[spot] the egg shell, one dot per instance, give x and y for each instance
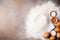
(57, 29)
(58, 35)
(58, 24)
(52, 38)
(53, 33)
(54, 20)
(46, 34)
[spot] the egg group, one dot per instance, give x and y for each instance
(55, 33)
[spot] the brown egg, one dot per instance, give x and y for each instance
(58, 24)
(57, 29)
(46, 34)
(52, 38)
(58, 35)
(54, 20)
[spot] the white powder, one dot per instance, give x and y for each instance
(38, 20)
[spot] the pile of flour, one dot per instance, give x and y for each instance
(38, 20)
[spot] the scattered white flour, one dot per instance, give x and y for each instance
(38, 20)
